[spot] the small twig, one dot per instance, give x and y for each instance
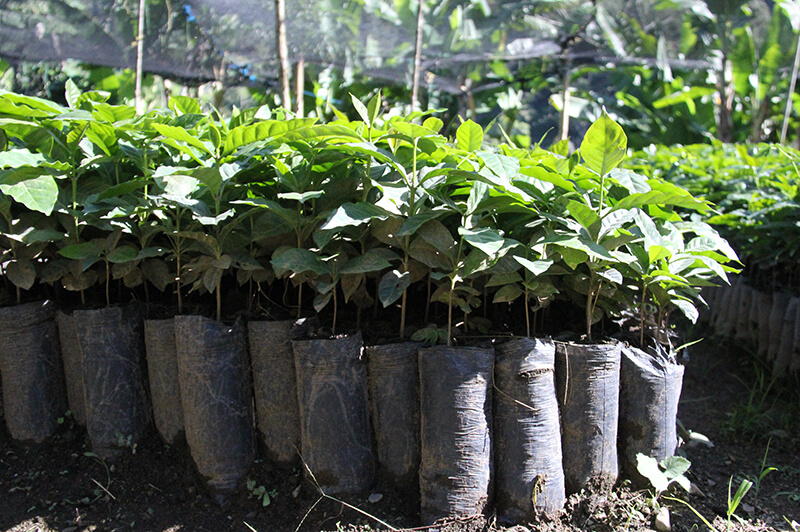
(325, 495)
(303, 520)
(104, 489)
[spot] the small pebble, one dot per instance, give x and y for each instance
(375, 498)
(296, 492)
(662, 522)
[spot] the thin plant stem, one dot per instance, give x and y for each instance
(527, 314)
(219, 300)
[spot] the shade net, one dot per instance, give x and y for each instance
(234, 40)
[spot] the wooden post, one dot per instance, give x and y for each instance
(417, 57)
(284, 68)
(300, 81)
(140, 59)
(792, 83)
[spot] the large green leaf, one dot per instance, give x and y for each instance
(486, 239)
(353, 214)
(437, 235)
(469, 136)
(122, 254)
(21, 273)
(392, 286)
(181, 135)
(604, 145)
(537, 267)
(298, 260)
(371, 261)
(81, 251)
(248, 134)
(38, 194)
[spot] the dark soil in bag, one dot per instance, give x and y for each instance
(334, 417)
(394, 407)
(162, 369)
(112, 347)
(216, 396)
(33, 390)
(275, 387)
(783, 355)
(587, 384)
(72, 359)
(650, 388)
(455, 431)
(528, 462)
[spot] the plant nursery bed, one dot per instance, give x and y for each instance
(61, 486)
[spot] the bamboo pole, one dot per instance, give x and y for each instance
(284, 69)
(300, 81)
(139, 99)
(417, 57)
(792, 83)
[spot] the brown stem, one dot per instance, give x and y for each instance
(403, 301)
(589, 307)
(642, 317)
(450, 316)
(300, 300)
(527, 314)
(219, 300)
(108, 282)
(428, 301)
(335, 311)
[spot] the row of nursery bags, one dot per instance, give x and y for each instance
(767, 321)
(516, 423)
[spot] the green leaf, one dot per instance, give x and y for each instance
(298, 260)
(71, 93)
(469, 136)
(20, 157)
(322, 300)
(102, 135)
(585, 216)
(414, 222)
(248, 134)
(433, 123)
(687, 96)
(537, 268)
(687, 308)
(21, 273)
(211, 278)
(374, 108)
(648, 468)
(438, 236)
(507, 294)
(371, 261)
(181, 135)
(362, 110)
(486, 239)
(184, 105)
(38, 194)
(122, 254)
(604, 145)
(352, 215)
(157, 272)
(82, 251)
(392, 286)
(502, 166)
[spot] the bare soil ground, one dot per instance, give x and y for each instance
(61, 486)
